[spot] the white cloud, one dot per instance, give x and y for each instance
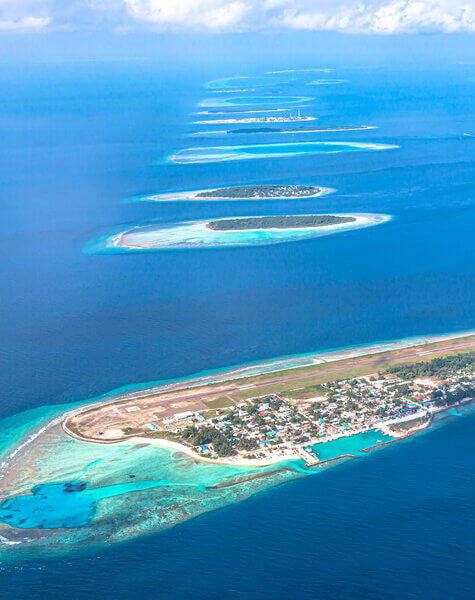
(397, 16)
(351, 16)
(206, 14)
(23, 15)
(25, 24)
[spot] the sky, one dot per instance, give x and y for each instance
(380, 17)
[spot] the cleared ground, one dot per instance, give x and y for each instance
(126, 417)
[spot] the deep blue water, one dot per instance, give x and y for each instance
(395, 524)
(76, 140)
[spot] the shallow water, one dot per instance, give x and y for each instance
(269, 100)
(48, 507)
(226, 153)
(266, 80)
(79, 494)
(353, 444)
(198, 235)
(327, 81)
(76, 325)
(192, 195)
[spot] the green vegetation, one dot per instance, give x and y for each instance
(310, 391)
(163, 435)
(247, 444)
(209, 435)
(405, 426)
(262, 191)
(439, 368)
(221, 402)
(445, 397)
(278, 222)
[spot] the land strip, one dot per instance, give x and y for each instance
(156, 413)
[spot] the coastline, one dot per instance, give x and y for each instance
(250, 120)
(298, 452)
(194, 195)
(137, 391)
(119, 468)
(192, 235)
(267, 367)
(238, 462)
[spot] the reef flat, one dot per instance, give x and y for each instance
(269, 100)
(60, 494)
(238, 83)
(276, 150)
(327, 81)
(197, 234)
(269, 79)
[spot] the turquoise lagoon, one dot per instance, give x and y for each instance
(49, 506)
(276, 150)
(115, 491)
(353, 444)
(269, 79)
(129, 489)
(327, 81)
(197, 234)
(269, 99)
(240, 82)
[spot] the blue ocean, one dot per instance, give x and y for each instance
(78, 142)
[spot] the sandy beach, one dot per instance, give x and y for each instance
(237, 462)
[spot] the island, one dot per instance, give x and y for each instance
(291, 413)
(262, 191)
(249, 130)
(283, 119)
(147, 457)
(278, 222)
(242, 231)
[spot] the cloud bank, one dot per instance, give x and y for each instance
(348, 16)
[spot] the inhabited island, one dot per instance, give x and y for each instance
(283, 119)
(258, 424)
(262, 191)
(278, 222)
(244, 130)
(287, 414)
